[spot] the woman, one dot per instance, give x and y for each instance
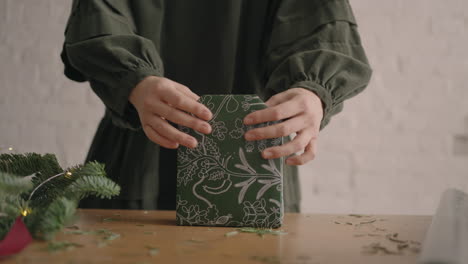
(150, 60)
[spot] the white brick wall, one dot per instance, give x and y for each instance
(394, 149)
(40, 110)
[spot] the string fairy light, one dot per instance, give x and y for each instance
(25, 211)
(5, 148)
(51, 178)
(68, 175)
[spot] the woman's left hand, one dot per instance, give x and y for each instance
(302, 112)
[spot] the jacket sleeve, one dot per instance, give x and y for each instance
(102, 46)
(314, 44)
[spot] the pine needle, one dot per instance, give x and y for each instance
(152, 251)
(112, 236)
(375, 248)
(261, 231)
(266, 259)
(232, 233)
(78, 232)
(367, 222)
(54, 246)
(193, 240)
(359, 215)
(394, 238)
(107, 235)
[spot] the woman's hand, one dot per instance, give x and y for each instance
(302, 112)
(159, 100)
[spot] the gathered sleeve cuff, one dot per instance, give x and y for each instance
(314, 44)
(102, 47)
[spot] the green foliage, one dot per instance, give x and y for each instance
(54, 246)
(30, 163)
(90, 180)
(36, 185)
(10, 202)
(11, 184)
(76, 183)
(45, 223)
(261, 231)
(92, 185)
(92, 168)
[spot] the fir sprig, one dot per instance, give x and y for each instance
(30, 163)
(37, 187)
(92, 185)
(44, 224)
(11, 184)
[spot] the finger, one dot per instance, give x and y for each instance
(182, 118)
(308, 155)
(281, 111)
(185, 90)
(277, 130)
(158, 139)
(163, 128)
(185, 103)
(299, 143)
(278, 99)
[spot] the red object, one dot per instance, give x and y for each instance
(16, 240)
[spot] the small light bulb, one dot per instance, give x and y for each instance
(10, 148)
(68, 175)
(24, 212)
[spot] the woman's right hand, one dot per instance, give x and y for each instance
(159, 100)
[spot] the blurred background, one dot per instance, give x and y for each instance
(393, 149)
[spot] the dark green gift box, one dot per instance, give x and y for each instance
(224, 181)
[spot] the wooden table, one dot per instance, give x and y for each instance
(309, 239)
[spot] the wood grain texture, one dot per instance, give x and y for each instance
(309, 239)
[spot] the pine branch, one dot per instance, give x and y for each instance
(91, 168)
(11, 184)
(30, 163)
(58, 186)
(43, 224)
(98, 186)
(10, 206)
(48, 197)
(49, 190)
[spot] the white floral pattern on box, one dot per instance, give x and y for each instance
(224, 181)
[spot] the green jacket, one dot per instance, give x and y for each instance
(213, 47)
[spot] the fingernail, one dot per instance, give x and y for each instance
(206, 128)
(207, 114)
(267, 154)
(248, 120)
(289, 162)
(191, 142)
